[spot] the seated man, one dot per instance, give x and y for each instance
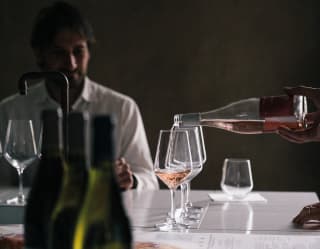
(61, 39)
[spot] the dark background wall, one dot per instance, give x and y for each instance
(188, 56)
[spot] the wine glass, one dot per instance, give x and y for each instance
(189, 212)
(172, 166)
(20, 150)
(236, 177)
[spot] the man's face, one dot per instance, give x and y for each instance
(68, 54)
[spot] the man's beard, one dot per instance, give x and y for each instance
(74, 82)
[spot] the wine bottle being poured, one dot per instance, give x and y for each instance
(252, 115)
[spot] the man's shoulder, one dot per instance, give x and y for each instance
(16, 100)
(102, 93)
(32, 91)
(9, 99)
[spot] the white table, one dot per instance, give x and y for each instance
(146, 208)
(10, 214)
(272, 217)
(225, 225)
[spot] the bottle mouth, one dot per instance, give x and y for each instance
(185, 120)
(176, 119)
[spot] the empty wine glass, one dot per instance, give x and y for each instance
(189, 212)
(20, 150)
(236, 177)
(172, 166)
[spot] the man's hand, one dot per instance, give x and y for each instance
(311, 134)
(123, 174)
(309, 216)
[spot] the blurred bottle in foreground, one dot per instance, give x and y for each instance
(75, 174)
(252, 116)
(47, 182)
(102, 222)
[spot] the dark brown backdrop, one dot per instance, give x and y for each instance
(188, 56)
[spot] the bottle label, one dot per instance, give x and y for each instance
(276, 106)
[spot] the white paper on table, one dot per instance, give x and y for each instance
(173, 240)
(11, 229)
(222, 197)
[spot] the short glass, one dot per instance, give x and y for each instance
(236, 178)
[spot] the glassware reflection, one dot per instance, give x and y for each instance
(237, 215)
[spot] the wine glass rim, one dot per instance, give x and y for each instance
(172, 130)
(20, 119)
(235, 159)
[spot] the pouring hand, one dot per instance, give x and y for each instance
(312, 132)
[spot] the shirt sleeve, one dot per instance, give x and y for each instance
(134, 146)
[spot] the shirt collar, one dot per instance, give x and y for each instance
(87, 90)
(43, 96)
(41, 93)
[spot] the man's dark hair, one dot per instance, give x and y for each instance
(55, 18)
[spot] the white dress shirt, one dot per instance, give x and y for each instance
(130, 137)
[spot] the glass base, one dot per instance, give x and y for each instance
(168, 227)
(189, 221)
(194, 209)
(18, 200)
(189, 218)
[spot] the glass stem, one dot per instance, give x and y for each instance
(188, 188)
(173, 206)
(183, 187)
(20, 194)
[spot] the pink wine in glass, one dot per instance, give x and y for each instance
(172, 178)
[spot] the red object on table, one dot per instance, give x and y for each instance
(12, 241)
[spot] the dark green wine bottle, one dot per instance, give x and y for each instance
(75, 174)
(102, 222)
(47, 182)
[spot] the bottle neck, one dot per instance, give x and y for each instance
(52, 139)
(51, 145)
(105, 166)
(78, 139)
(78, 161)
(188, 119)
(103, 141)
(243, 110)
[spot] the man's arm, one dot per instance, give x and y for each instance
(136, 168)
